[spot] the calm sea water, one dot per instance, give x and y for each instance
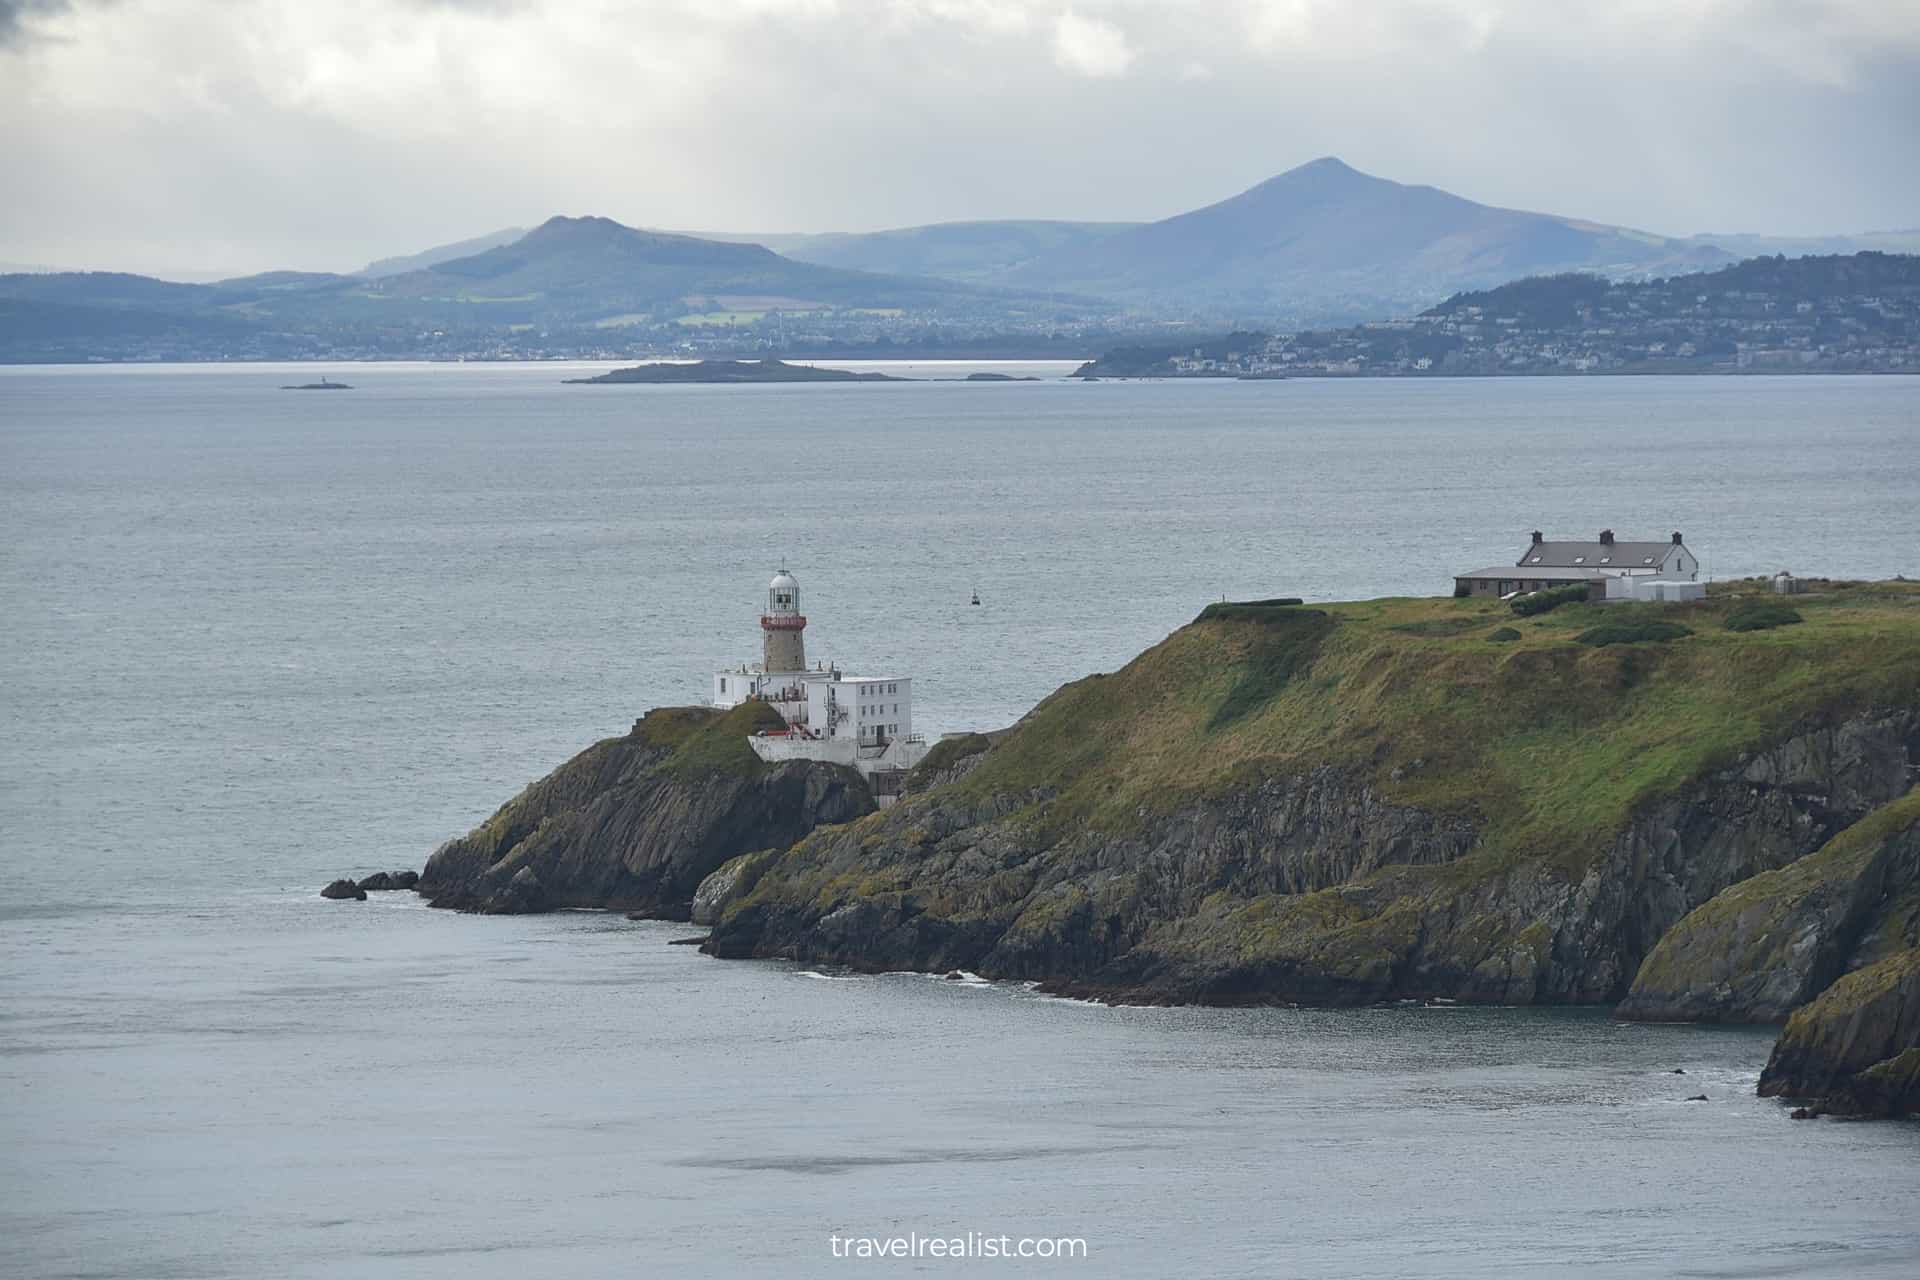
(255, 639)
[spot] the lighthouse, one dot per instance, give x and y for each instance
(864, 722)
(783, 626)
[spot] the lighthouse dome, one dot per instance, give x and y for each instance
(783, 594)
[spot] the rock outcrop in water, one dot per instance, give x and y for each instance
(1767, 945)
(1855, 1049)
(635, 823)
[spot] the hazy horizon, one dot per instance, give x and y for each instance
(208, 137)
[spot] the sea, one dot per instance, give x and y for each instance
(254, 639)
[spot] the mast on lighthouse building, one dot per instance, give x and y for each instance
(784, 626)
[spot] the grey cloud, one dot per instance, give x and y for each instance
(14, 14)
(243, 134)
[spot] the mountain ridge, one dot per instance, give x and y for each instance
(1319, 245)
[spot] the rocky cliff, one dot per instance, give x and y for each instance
(1765, 946)
(1855, 1049)
(1376, 800)
(635, 823)
(1388, 799)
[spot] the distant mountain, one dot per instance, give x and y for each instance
(1325, 239)
(1747, 245)
(438, 254)
(571, 271)
(975, 252)
(1321, 243)
(570, 286)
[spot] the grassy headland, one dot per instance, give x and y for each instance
(1396, 796)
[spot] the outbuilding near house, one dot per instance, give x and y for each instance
(1608, 565)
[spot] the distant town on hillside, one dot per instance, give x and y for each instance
(1853, 314)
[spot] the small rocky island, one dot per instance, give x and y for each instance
(1686, 812)
(734, 371)
(325, 384)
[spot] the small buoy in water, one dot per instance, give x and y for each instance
(976, 598)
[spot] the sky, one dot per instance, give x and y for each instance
(220, 136)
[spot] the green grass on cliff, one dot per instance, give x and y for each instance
(1549, 744)
(704, 743)
(948, 752)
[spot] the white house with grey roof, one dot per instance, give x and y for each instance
(1608, 566)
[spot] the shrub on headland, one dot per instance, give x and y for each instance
(1541, 601)
(1761, 617)
(1503, 635)
(1631, 633)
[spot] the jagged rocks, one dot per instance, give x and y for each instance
(1766, 945)
(344, 891)
(1313, 887)
(1856, 1049)
(635, 823)
(734, 877)
(381, 881)
(521, 895)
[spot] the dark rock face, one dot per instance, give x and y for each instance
(344, 890)
(389, 880)
(1856, 1049)
(521, 895)
(635, 823)
(731, 879)
(1309, 887)
(1766, 945)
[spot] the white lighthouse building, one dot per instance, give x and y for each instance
(865, 722)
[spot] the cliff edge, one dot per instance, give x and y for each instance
(1700, 811)
(635, 823)
(1392, 798)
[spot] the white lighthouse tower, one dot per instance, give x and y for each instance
(865, 722)
(784, 644)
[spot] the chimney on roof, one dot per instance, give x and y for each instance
(1536, 537)
(1606, 537)
(1676, 538)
